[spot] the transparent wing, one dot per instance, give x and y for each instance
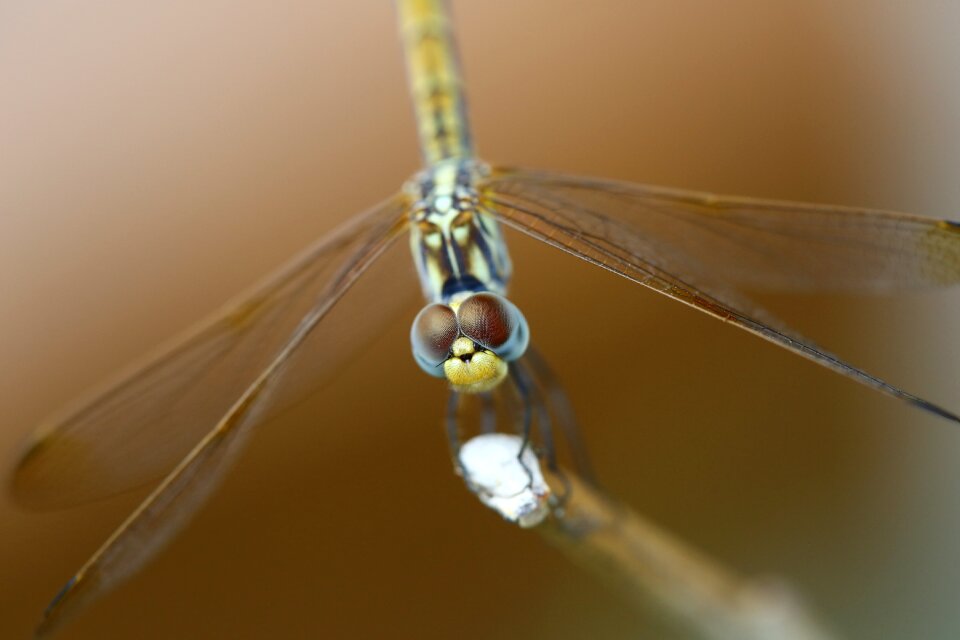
(135, 429)
(697, 248)
(756, 244)
(172, 503)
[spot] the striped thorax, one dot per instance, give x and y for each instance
(457, 247)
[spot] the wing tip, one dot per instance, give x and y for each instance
(52, 619)
(29, 483)
(935, 410)
(31, 451)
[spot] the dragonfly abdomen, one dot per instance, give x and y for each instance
(435, 81)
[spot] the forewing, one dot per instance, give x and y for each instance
(756, 244)
(615, 232)
(172, 503)
(137, 428)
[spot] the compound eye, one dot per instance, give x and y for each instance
(432, 335)
(495, 323)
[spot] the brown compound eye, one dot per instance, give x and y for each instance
(432, 335)
(495, 323)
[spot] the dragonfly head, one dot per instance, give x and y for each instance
(469, 342)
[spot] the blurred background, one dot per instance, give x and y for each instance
(159, 157)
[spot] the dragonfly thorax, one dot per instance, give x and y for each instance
(456, 241)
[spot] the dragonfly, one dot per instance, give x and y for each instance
(225, 377)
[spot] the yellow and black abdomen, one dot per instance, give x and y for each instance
(435, 81)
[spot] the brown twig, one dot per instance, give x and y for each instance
(650, 567)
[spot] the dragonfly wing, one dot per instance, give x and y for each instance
(757, 244)
(603, 231)
(137, 428)
(172, 503)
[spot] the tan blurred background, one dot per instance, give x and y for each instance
(158, 157)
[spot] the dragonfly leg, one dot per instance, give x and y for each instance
(453, 430)
(488, 414)
(556, 397)
(545, 427)
(535, 399)
(524, 390)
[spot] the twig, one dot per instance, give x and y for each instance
(646, 564)
(652, 567)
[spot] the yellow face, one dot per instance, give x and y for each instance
(473, 370)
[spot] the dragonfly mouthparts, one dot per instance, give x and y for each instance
(471, 369)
